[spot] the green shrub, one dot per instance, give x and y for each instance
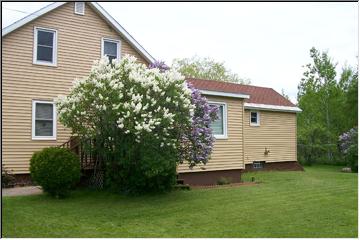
(309, 154)
(148, 170)
(56, 170)
(352, 158)
(223, 181)
(7, 178)
(349, 147)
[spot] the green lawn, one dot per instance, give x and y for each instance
(320, 202)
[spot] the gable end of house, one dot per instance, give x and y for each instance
(98, 9)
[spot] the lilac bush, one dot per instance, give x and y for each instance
(160, 65)
(349, 147)
(347, 139)
(197, 142)
(135, 116)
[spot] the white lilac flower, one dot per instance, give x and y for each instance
(138, 108)
(133, 92)
(138, 127)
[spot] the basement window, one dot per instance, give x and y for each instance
(43, 120)
(45, 46)
(258, 165)
(79, 8)
(110, 48)
(254, 118)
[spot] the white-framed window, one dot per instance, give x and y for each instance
(254, 118)
(45, 46)
(43, 120)
(219, 126)
(79, 8)
(110, 48)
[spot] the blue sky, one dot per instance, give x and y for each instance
(265, 42)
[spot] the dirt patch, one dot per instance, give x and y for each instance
(22, 191)
(209, 178)
(225, 186)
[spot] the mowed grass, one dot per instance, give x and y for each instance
(320, 202)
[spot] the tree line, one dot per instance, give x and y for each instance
(329, 100)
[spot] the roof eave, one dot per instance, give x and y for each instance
(274, 108)
(224, 94)
(30, 17)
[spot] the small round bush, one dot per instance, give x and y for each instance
(56, 170)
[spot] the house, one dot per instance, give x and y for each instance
(44, 52)
(256, 129)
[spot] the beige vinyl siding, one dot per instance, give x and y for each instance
(277, 132)
(227, 153)
(79, 44)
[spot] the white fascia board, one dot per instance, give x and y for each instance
(274, 108)
(223, 94)
(30, 17)
(122, 31)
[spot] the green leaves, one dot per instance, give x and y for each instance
(207, 68)
(56, 170)
(329, 107)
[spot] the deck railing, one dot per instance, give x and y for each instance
(87, 160)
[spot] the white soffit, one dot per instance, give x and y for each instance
(275, 108)
(224, 94)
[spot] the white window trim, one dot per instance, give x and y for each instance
(257, 124)
(79, 13)
(118, 42)
(35, 61)
(53, 137)
(225, 135)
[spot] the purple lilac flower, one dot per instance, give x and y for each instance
(160, 65)
(348, 139)
(199, 139)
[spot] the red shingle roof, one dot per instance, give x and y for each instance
(259, 95)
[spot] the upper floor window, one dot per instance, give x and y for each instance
(254, 119)
(45, 46)
(219, 126)
(79, 8)
(43, 120)
(110, 48)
